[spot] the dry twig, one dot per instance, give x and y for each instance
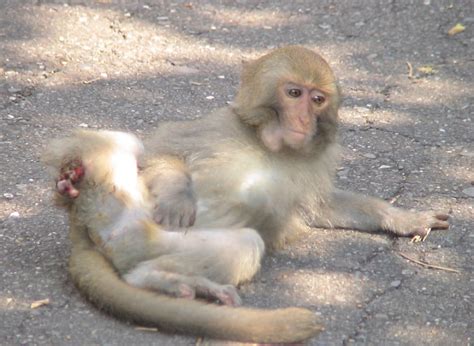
(410, 71)
(427, 265)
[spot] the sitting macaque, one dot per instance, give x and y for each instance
(107, 200)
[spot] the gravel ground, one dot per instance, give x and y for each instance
(409, 137)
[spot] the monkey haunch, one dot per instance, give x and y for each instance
(110, 214)
(261, 163)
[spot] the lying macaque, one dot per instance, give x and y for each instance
(267, 161)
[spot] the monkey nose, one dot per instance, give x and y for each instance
(304, 119)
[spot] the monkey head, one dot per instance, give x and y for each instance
(291, 97)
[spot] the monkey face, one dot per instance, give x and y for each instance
(299, 109)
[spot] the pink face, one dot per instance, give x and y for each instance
(296, 126)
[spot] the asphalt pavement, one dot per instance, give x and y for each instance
(406, 126)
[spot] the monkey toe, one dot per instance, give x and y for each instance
(439, 224)
(421, 232)
(228, 295)
(439, 221)
(442, 217)
(186, 292)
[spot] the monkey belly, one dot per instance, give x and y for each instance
(253, 198)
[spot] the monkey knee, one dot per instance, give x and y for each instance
(251, 238)
(248, 255)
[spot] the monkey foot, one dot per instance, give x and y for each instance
(228, 295)
(225, 294)
(70, 177)
(419, 225)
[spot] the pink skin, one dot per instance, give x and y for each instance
(295, 126)
(69, 179)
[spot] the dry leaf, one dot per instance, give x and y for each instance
(39, 303)
(427, 69)
(456, 29)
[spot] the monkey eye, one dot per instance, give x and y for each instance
(318, 99)
(294, 92)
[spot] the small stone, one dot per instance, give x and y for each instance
(384, 167)
(8, 195)
(407, 272)
(210, 97)
(13, 90)
(14, 215)
(467, 153)
(395, 283)
(84, 125)
(369, 156)
(469, 191)
(362, 109)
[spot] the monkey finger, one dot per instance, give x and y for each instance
(192, 219)
(188, 218)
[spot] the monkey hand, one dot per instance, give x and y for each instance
(69, 178)
(175, 204)
(419, 224)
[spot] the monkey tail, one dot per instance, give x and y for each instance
(95, 278)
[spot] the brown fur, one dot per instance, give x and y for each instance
(111, 225)
(245, 166)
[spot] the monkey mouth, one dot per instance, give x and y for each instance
(296, 131)
(296, 139)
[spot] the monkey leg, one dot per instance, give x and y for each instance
(148, 275)
(225, 256)
(355, 211)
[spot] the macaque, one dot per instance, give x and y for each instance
(109, 203)
(266, 162)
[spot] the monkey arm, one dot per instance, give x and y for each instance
(171, 190)
(356, 211)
